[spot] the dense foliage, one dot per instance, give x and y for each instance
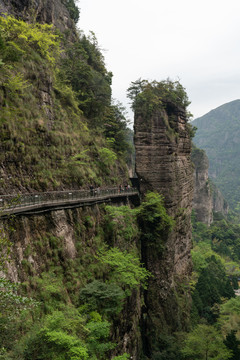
(85, 70)
(214, 332)
(218, 134)
(216, 270)
(77, 301)
(212, 286)
(205, 342)
(147, 97)
(216, 262)
(73, 9)
(154, 222)
(222, 236)
(18, 37)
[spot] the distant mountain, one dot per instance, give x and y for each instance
(219, 135)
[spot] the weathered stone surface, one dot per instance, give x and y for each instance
(43, 11)
(219, 203)
(163, 164)
(202, 201)
(207, 197)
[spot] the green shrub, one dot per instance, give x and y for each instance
(73, 9)
(16, 82)
(97, 341)
(205, 342)
(12, 52)
(68, 335)
(61, 337)
(120, 224)
(51, 292)
(103, 297)
(18, 35)
(107, 156)
(125, 356)
(154, 222)
(125, 268)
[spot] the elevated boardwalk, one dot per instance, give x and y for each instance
(37, 203)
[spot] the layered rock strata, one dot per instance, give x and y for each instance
(163, 164)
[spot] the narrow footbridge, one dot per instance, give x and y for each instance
(36, 203)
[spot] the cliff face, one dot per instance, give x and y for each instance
(53, 93)
(219, 203)
(54, 256)
(43, 11)
(207, 197)
(202, 201)
(163, 164)
(38, 96)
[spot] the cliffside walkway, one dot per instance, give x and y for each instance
(35, 203)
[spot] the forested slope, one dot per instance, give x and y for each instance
(218, 134)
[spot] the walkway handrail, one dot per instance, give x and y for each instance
(53, 197)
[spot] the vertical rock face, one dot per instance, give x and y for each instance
(219, 203)
(163, 164)
(207, 197)
(202, 201)
(43, 11)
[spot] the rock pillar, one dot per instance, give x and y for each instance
(163, 164)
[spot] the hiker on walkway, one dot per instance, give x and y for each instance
(91, 190)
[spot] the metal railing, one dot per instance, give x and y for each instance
(16, 201)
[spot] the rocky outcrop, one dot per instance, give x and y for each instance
(163, 164)
(220, 204)
(30, 230)
(207, 197)
(202, 201)
(43, 11)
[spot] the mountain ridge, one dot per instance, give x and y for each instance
(218, 133)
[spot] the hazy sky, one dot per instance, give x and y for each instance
(195, 42)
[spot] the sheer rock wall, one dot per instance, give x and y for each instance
(43, 11)
(207, 197)
(219, 203)
(202, 201)
(163, 164)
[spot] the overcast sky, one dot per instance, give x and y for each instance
(195, 42)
